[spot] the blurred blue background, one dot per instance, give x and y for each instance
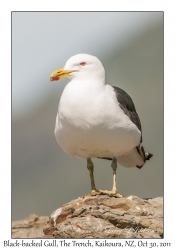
(130, 46)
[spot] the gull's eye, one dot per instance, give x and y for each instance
(82, 63)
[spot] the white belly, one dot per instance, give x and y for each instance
(95, 126)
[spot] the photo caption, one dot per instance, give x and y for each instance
(57, 243)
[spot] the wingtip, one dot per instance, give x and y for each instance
(148, 156)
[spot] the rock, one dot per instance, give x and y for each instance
(103, 216)
(30, 227)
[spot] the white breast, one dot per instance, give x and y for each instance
(90, 122)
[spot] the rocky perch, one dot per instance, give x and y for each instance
(103, 216)
(30, 227)
(99, 216)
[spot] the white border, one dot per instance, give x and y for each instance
(5, 92)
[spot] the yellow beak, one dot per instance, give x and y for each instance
(60, 73)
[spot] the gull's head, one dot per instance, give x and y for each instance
(81, 66)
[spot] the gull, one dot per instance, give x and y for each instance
(97, 120)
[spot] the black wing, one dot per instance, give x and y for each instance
(127, 105)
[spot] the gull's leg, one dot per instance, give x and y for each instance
(114, 191)
(114, 187)
(90, 167)
(114, 167)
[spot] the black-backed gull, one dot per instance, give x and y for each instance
(97, 120)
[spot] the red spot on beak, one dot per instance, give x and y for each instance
(56, 78)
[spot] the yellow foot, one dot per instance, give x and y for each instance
(93, 193)
(113, 193)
